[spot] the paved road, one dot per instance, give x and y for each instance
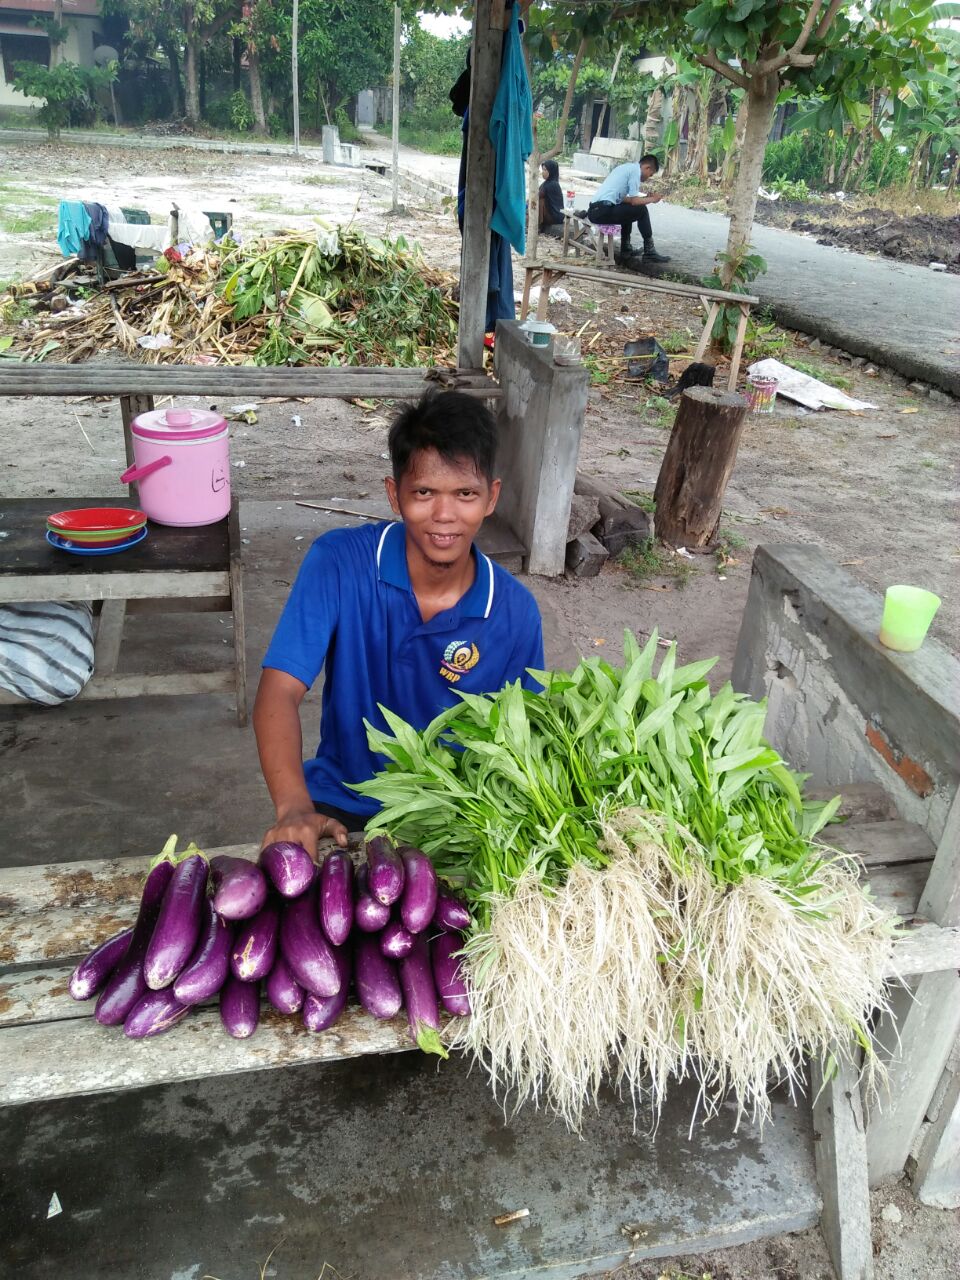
(905, 317)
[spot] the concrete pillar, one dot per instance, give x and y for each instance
(541, 420)
(331, 143)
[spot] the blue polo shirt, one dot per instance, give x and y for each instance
(352, 613)
(619, 183)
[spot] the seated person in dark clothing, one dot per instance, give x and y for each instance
(619, 201)
(551, 199)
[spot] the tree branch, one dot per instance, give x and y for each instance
(567, 101)
(724, 69)
(828, 18)
(794, 56)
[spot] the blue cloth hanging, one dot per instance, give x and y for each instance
(73, 225)
(511, 132)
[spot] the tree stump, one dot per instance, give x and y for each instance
(697, 465)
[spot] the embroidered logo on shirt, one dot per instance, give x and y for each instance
(458, 657)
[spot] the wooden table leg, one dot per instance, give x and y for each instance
(130, 408)
(527, 283)
(106, 649)
(236, 602)
(738, 348)
(546, 280)
(707, 331)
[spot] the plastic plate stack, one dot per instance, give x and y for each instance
(96, 531)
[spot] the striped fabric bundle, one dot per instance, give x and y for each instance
(46, 650)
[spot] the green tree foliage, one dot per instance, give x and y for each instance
(429, 65)
(63, 89)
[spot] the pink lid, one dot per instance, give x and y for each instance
(175, 424)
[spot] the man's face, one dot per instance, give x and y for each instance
(647, 171)
(443, 505)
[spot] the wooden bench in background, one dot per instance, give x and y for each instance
(710, 299)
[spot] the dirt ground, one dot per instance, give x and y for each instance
(874, 490)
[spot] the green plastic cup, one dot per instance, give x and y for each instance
(907, 614)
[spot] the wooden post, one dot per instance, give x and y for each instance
(295, 73)
(131, 407)
(697, 465)
(236, 608)
(395, 122)
(841, 1157)
(478, 203)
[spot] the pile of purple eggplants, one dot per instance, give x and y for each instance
(230, 927)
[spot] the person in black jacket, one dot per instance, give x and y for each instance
(551, 199)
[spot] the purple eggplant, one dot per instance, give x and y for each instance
(305, 948)
(127, 984)
(447, 974)
(378, 988)
(321, 1012)
(419, 899)
(209, 965)
(154, 1013)
(384, 871)
(420, 998)
(239, 1007)
(239, 887)
(255, 945)
(368, 914)
(93, 971)
(179, 923)
(396, 940)
(283, 990)
(452, 912)
(336, 896)
(289, 868)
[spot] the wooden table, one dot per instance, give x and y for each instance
(710, 299)
(52, 915)
(172, 570)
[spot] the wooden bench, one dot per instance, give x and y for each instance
(585, 239)
(710, 299)
(52, 915)
(173, 569)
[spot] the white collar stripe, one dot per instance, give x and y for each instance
(486, 561)
(380, 546)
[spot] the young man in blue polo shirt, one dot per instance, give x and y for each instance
(619, 200)
(403, 615)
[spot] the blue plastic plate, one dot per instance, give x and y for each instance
(77, 549)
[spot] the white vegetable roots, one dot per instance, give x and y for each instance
(645, 970)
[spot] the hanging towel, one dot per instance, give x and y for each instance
(72, 227)
(511, 132)
(97, 233)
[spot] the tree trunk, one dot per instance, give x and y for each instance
(699, 144)
(56, 46)
(191, 96)
(653, 124)
(697, 466)
(762, 97)
(176, 82)
(236, 68)
(202, 63)
(256, 91)
(733, 155)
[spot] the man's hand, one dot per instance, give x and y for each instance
(654, 199)
(305, 827)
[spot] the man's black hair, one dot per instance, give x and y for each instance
(460, 427)
(650, 159)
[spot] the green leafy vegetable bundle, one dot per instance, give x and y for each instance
(649, 896)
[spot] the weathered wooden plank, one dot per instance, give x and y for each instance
(841, 1157)
(104, 688)
(880, 844)
(898, 889)
(629, 279)
(859, 802)
(310, 383)
(64, 1059)
(937, 1177)
(916, 1038)
(168, 585)
(928, 948)
(941, 896)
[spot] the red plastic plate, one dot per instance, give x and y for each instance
(97, 519)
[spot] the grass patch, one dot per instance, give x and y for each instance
(10, 194)
(650, 561)
(657, 411)
(825, 375)
(322, 180)
(643, 500)
(677, 341)
(426, 135)
(22, 224)
(599, 376)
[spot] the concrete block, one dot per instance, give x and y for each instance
(586, 556)
(622, 523)
(540, 416)
(840, 705)
(584, 514)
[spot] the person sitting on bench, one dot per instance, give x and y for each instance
(405, 615)
(619, 201)
(551, 200)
